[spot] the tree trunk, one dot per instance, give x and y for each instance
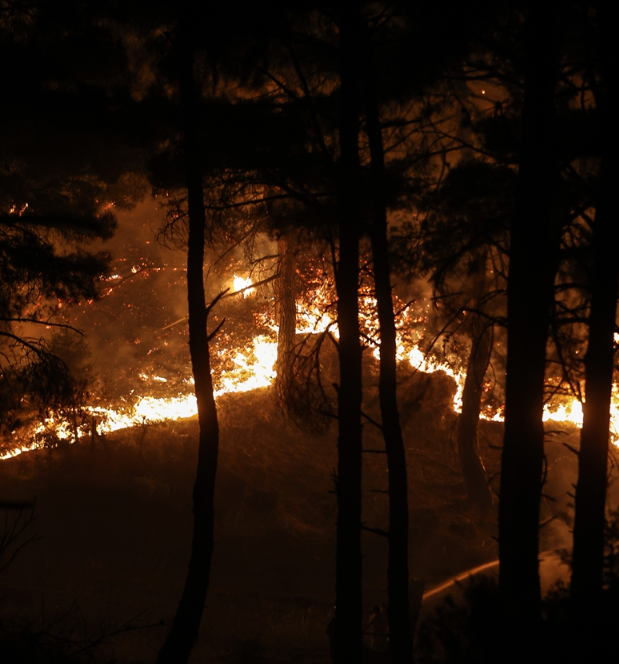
(400, 639)
(286, 314)
(349, 609)
(185, 627)
(473, 471)
(589, 517)
(533, 252)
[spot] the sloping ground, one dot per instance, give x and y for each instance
(115, 526)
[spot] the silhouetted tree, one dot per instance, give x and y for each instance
(286, 312)
(400, 638)
(473, 472)
(590, 499)
(183, 633)
(534, 241)
(348, 598)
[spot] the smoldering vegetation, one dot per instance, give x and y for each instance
(113, 521)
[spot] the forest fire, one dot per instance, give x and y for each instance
(305, 310)
(253, 370)
(254, 367)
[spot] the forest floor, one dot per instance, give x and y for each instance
(114, 526)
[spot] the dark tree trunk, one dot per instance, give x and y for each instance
(286, 314)
(349, 609)
(589, 518)
(529, 296)
(400, 639)
(185, 627)
(473, 471)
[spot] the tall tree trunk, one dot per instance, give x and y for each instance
(349, 609)
(400, 639)
(286, 314)
(529, 295)
(473, 472)
(589, 518)
(185, 627)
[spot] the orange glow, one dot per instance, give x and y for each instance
(238, 284)
(254, 368)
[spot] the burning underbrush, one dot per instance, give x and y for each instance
(132, 367)
(129, 381)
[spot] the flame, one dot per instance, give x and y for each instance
(254, 368)
(418, 360)
(313, 315)
(238, 283)
(570, 412)
(311, 320)
(252, 371)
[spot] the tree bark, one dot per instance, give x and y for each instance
(286, 314)
(473, 472)
(533, 249)
(186, 624)
(400, 638)
(349, 609)
(590, 502)
(589, 517)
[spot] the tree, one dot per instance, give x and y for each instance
(473, 472)
(590, 498)
(532, 265)
(348, 611)
(185, 627)
(400, 638)
(286, 313)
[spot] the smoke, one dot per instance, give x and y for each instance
(137, 330)
(144, 293)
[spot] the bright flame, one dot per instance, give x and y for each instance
(419, 361)
(253, 368)
(571, 412)
(238, 283)
(253, 371)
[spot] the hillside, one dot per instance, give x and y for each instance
(114, 522)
